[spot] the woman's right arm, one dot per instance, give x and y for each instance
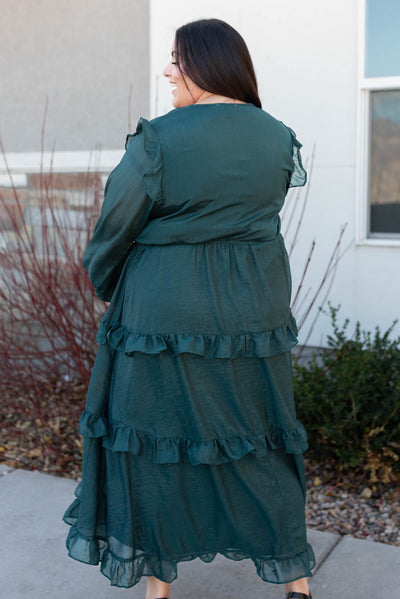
(124, 214)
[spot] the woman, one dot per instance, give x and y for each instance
(191, 442)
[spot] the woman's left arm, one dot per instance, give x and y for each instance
(125, 211)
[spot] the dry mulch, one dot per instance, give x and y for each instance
(43, 435)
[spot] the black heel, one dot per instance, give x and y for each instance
(296, 595)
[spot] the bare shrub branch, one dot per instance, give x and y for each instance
(49, 313)
(305, 300)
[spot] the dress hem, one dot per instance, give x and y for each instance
(125, 573)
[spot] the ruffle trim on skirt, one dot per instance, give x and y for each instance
(170, 450)
(210, 346)
(127, 571)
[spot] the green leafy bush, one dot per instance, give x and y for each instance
(348, 397)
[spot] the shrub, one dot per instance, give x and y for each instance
(48, 322)
(348, 398)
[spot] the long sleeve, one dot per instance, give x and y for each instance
(131, 190)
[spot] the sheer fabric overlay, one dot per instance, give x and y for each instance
(205, 524)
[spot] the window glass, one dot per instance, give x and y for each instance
(384, 187)
(382, 38)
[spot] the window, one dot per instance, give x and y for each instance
(380, 128)
(384, 167)
(382, 39)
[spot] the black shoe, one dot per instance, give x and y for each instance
(296, 595)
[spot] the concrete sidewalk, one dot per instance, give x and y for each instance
(34, 563)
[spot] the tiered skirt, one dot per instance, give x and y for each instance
(187, 457)
(191, 444)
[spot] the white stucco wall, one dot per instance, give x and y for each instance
(84, 57)
(306, 57)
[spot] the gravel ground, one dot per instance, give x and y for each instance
(343, 508)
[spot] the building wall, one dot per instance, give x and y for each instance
(307, 61)
(87, 64)
(86, 58)
(306, 56)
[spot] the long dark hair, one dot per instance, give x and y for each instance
(215, 57)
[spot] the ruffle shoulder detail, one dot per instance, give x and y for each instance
(210, 346)
(153, 177)
(299, 174)
(172, 450)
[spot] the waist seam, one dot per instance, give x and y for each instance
(211, 242)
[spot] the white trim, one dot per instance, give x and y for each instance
(365, 86)
(362, 167)
(362, 142)
(60, 162)
(376, 83)
(20, 180)
(362, 15)
(382, 242)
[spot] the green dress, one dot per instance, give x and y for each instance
(191, 444)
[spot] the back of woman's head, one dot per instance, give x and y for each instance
(216, 58)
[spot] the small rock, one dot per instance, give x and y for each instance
(366, 492)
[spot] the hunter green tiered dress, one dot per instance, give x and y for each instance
(191, 442)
